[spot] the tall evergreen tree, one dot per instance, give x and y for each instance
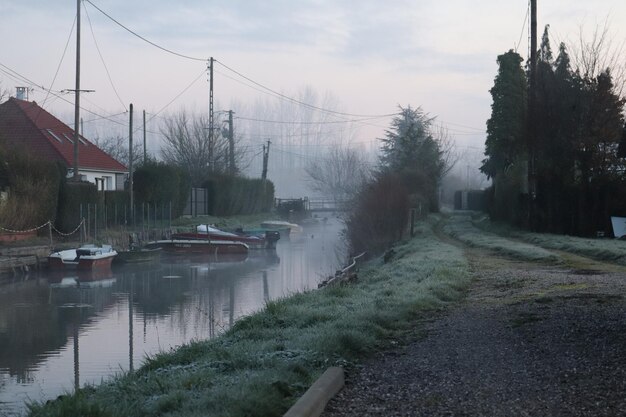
(506, 126)
(410, 151)
(559, 117)
(505, 146)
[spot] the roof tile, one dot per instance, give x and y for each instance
(25, 123)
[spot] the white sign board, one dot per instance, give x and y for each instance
(619, 226)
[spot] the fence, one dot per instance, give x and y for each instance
(345, 274)
(197, 203)
(145, 216)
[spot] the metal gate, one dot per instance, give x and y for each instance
(197, 203)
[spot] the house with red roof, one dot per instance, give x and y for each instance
(26, 124)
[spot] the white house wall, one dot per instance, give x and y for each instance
(106, 181)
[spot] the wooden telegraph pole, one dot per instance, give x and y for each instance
(77, 93)
(130, 165)
(266, 157)
(145, 153)
(211, 114)
(532, 130)
(231, 143)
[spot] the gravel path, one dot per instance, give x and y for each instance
(529, 340)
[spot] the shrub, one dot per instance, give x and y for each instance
(237, 195)
(160, 183)
(380, 215)
(33, 186)
(73, 200)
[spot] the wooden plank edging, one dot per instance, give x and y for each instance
(314, 400)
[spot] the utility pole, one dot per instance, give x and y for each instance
(145, 154)
(130, 165)
(211, 114)
(532, 130)
(77, 93)
(231, 143)
(266, 157)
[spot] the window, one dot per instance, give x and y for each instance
(54, 135)
(68, 138)
(107, 182)
(119, 182)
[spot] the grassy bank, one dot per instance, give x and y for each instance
(460, 226)
(267, 360)
(604, 249)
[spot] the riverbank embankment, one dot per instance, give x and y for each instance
(541, 332)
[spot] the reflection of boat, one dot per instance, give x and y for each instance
(235, 263)
(200, 246)
(81, 279)
(138, 255)
(266, 240)
(282, 226)
(85, 258)
(202, 258)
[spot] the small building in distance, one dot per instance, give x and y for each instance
(470, 200)
(25, 124)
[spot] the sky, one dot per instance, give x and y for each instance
(371, 56)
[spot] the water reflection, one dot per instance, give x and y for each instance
(60, 331)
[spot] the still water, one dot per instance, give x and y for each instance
(61, 331)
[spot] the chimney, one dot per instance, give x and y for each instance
(21, 93)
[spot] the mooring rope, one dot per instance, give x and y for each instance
(25, 231)
(48, 223)
(70, 233)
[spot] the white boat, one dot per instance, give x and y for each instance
(280, 224)
(85, 258)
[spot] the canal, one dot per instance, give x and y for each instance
(59, 331)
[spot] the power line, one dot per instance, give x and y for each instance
(523, 26)
(144, 39)
(93, 35)
(306, 157)
(69, 37)
(101, 118)
(178, 95)
(460, 125)
(293, 100)
(20, 78)
(308, 123)
(275, 93)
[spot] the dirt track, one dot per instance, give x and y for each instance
(529, 340)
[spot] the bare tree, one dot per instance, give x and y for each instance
(4, 93)
(299, 133)
(117, 147)
(447, 147)
(592, 55)
(187, 143)
(340, 173)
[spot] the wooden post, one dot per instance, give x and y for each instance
(130, 164)
(412, 222)
(95, 221)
